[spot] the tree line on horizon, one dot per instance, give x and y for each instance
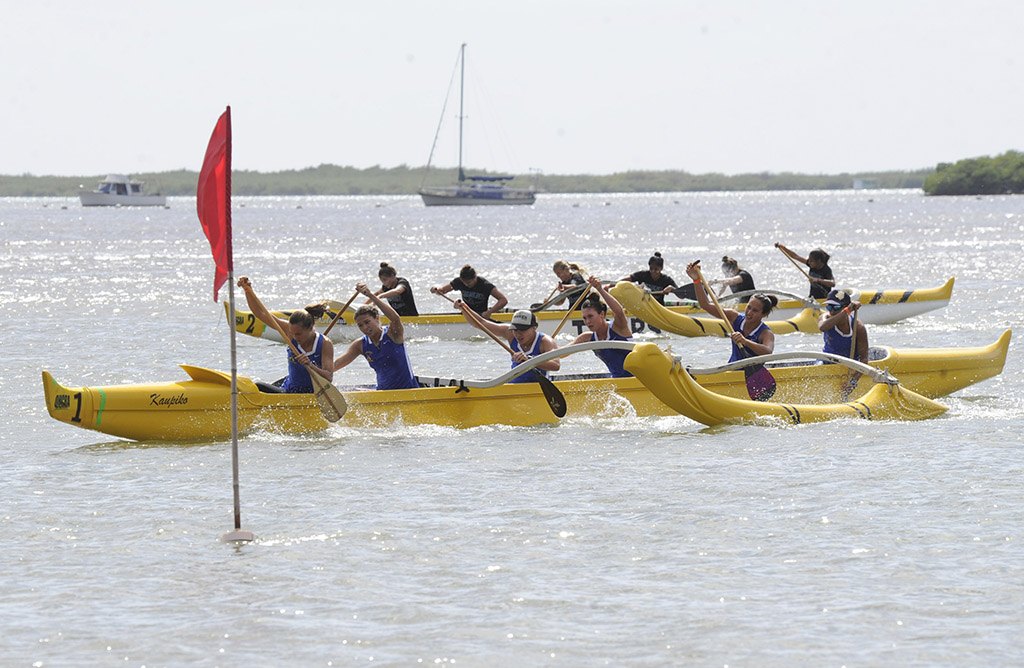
(999, 175)
(403, 180)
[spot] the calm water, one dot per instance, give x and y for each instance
(600, 541)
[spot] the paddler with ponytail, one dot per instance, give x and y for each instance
(569, 278)
(751, 336)
(594, 311)
(317, 351)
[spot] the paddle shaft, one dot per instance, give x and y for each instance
(338, 315)
(575, 306)
(853, 336)
(476, 316)
(714, 300)
(797, 265)
(851, 381)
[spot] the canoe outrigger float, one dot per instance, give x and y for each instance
(879, 307)
(667, 379)
(198, 409)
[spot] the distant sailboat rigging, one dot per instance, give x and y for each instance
(472, 190)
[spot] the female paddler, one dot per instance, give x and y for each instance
(314, 346)
(750, 332)
(524, 339)
(594, 312)
(383, 347)
(840, 323)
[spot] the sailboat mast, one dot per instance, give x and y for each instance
(462, 88)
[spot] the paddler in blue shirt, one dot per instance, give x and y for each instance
(524, 340)
(383, 347)
(314, 346)
(594, 311)
(837, 327)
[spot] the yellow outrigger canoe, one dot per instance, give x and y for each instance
(198, 409)
(839, 392)
(877, 307)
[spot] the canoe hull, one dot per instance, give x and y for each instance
(198, 409)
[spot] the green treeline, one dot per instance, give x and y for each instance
(1003, 174)
(403, 180)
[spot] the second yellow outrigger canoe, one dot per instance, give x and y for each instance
(792, 314)
(686, 321)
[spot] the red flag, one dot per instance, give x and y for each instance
(213, 199)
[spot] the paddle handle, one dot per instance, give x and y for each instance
(338, 315)
(575, 306)
(476, 316)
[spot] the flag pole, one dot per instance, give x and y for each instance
(238, 535)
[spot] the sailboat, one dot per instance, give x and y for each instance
(472, 190)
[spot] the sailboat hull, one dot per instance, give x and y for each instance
(476, 196)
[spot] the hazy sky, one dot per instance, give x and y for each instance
(578, 86)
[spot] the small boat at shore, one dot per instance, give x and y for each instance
(198, 409)
(668, 380)
(794, 314)
(120, 190)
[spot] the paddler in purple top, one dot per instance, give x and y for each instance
(316, 349)
(383, 347)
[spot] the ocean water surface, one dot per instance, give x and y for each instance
(603, 540)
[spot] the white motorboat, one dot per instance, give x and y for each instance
(120, 190)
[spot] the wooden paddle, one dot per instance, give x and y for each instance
(329, 398)
(795, 264)
(340, 312)
(576, 305)
(760, 381)
(553, 395)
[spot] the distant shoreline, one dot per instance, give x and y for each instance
(335, 180)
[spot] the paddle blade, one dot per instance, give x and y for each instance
(554, 396)
(329, 398)
(760, 382)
